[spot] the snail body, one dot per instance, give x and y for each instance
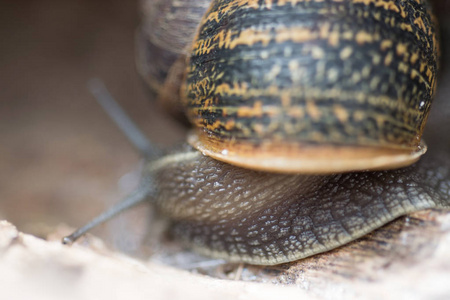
(290, 101)
(264, 218)
(296, 87)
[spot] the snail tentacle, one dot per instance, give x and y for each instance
(136, 197)
(138, 139)
(122, 120)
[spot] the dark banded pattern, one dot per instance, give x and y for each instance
(340, 73)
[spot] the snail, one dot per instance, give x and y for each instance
(307, 115)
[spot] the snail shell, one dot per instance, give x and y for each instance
(311, 86)
(292, 87)
(167, 28)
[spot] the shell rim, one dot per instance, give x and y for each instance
(328, 159)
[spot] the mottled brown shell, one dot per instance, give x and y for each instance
(312, 86)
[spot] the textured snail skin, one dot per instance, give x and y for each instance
(267, 78)
(264, 218)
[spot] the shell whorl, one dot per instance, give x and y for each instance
(268, 76)
(165, 34)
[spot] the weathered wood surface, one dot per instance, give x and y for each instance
(31, 268)
(397, 262)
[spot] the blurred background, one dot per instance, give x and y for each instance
(61, 158)
(62, 161)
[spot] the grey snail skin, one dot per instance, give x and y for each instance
(307, 116)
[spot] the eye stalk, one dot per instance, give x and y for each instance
(140, 195)
(138, 140)
(122, 120)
